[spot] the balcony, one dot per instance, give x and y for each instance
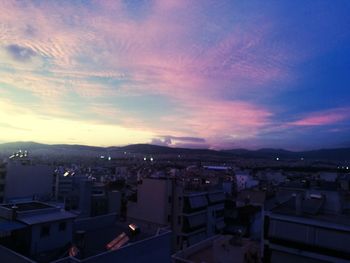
(322, 238)
(194, 222)
(215, 198)
(195, 203)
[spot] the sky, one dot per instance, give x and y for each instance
(181, 73)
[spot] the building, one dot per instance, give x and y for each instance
(312, 226)
(220, 248)
(36, 230)
(194, 211)
(20, 178)
(84, 196)
(244, 180)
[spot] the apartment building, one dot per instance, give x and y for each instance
(312, 226)
(194, 211)
(85, 196)
(35, 229)
(20, 178)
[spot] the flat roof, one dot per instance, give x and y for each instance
(217, 249)
(288, 209)
(46, 217)
(28, 206)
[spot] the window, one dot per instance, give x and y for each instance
(62, 226)
(45, 231)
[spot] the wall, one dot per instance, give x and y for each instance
(152, 201)
(28, 180)
(114, 201)
(92, 223)
(310, 234)
(278, 257)
(56, 239)
(7, 255)
(154, 249)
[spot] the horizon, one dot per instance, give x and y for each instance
(177, 147)
(209, 75)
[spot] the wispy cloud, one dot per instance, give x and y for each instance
(327, 117)
(209, 65)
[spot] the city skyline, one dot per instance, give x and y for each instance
(219, 74)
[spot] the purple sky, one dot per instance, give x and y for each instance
(216, 74)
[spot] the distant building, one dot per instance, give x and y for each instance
(84, 196)
(244, 181)
(328, 176)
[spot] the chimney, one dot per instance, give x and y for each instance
(298, 202)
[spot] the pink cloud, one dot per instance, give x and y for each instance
(324, 118)
(159, 54)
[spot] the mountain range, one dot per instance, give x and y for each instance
(149, 149)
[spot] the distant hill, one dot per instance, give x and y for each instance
(149, 149)
(83, 150)
(322, 154)
(156, 149)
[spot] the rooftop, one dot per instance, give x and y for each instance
(312, 210)
(29, 206)
(220, 248)
(9, 225)
(33, 213)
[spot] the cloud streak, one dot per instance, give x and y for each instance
(323, 118)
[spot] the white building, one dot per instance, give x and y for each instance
(244, 180)
(24, 179)
(34, 228)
